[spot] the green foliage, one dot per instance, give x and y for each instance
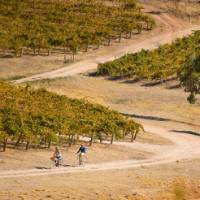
(189, 76)
(191, 98)
(160, 63)
(72, 25)
(38, 115)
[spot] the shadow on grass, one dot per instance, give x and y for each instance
(155, 118)
(154, 12)
(159, 82)
(144, 82)
(186, 132)
(176, 86)
(42, 168)
(92, 74)
(13, 78)
(131, 81)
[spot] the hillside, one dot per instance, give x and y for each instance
(44, 27)
(187, 10)
(160, 63)
(94, 100)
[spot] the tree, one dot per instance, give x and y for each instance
(189, 76)
(73, 43)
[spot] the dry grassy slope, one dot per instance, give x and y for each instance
(132, 98)
(156, 183)
(183, 9)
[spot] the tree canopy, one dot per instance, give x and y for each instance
(189, 76)
(66, 26)
(159, 63)
(38, 116)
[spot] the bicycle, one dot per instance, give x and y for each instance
(81, 159)
(56, 162)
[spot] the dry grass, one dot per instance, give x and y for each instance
(164, 182)
(155, 101)
(190, 10)
(15, 68)
(152, 139)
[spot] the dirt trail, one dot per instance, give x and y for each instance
(185, 147)
(169, 29)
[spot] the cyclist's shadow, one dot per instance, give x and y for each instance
(64, 165)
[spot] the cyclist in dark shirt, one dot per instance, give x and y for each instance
(82, 149)
(81, 155)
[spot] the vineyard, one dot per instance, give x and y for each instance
(159, 63)
(27, 119)
(38, 27)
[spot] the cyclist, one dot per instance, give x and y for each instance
(57, 157)
(81, 152)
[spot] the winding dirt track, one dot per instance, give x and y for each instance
(170, 29)
(185, 147)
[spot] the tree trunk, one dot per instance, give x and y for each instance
(139, 11)
(71, 140)
(86, 47)
(27, 144)
(109, 41)
(120, 37)
(101, 139)
(77, 138)
(124, 134)
(189, 17)
(112, 138)
(130, 35)
(22, 52)
(91, 139)
(49, 144)
(98, 45)
(65, 59)
(18, 140)
(34, 51)
(49, 52)
(74, 140)
(5, 144)
(73, 57)
(132, 137)
(135, 135)
(41, 141)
